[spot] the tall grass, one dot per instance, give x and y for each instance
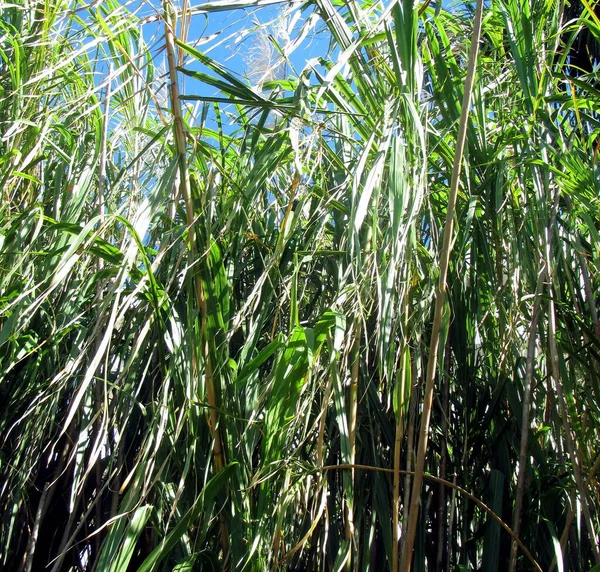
(241, 331)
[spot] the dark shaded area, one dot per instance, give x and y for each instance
(585, 50)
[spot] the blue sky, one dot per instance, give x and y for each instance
(226, 36)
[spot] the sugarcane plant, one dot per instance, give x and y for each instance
(336, 315)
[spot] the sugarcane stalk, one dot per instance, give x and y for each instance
(352, 415)
(185, 191)
(441, 291)
(528, 382)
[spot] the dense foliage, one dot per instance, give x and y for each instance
(229, 337)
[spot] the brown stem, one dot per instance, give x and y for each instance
(185, 191)
(45, 500)
(352, 414)
(410, 458)
(396, 492)
(441, 541)
(98, 390)
(41, 511)
(571, 516)
(454, 487)
(573, 453)
(401, 413)
(528, 382)
(441, 290)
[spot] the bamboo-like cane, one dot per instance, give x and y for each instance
(184, 189)
(396, 489)
(352, 414)
(528, 382)
(452, 486)
(400, 429)
(555, 370)
(441, 292)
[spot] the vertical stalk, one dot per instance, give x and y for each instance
(442, 535)
(396, 491)
(441, 290)
(587, 287)
(100, 395)
(401, 414)
(45, 500)
(528, 382)
(320, 448)
(352, 414)
(571, 514)
(184, 189)
(103, 153)
(410, 456)
(39, 516)
(574, 453)
(575, 458)
(564, 536)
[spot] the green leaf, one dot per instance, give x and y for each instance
(119, 545)
(202, 502)
(290, 374)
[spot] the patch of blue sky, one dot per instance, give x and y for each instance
(254, 40)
